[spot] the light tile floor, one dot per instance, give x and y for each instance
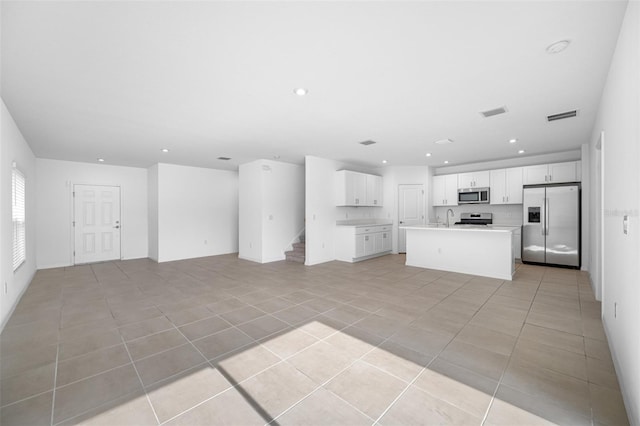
(223, 341)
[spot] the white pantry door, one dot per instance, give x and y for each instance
(410, 211)
(96, 223)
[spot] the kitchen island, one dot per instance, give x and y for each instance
(470, 249)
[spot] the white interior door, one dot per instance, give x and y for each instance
(96, 223)
(410, 211)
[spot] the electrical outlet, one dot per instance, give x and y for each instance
(205, 242)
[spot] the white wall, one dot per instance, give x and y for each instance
(250, 202)
(15, 148)
(321, 211)
(197, 212)
(55, 207)
(585, 186)
(618, 118)
(152, 202)
(283, 207)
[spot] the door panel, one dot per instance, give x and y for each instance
(96, 223)
(563, 225)
(410, 210)
(533, 238)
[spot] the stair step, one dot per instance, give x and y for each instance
(294, 257)
(298, 245)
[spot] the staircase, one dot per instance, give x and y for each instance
(297, 254)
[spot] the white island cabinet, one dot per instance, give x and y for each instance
(469, 249)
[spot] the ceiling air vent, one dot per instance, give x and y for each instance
(224, 158)
(369, 142)
(562, 115)
(492, 112)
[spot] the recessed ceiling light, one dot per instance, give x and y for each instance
(224, 158)
(444, 141)
(300, 91)
(384, 161)
(558, 46)
(521, 151)
(100, 160)
(514, 140)
(428, 154)
(446, 161)
(164, 150)
(367, 142)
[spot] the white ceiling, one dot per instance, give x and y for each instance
(123, 79)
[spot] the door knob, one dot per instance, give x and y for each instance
(117, 227)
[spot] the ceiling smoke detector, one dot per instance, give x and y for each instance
(444, 141)
(562, 115)
(495, 111)
(224, 158)
(367, 143)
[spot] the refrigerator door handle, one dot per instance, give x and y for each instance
(546, 212)
(543, 218)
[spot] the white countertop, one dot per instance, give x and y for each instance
(363, 223)
(464, 228)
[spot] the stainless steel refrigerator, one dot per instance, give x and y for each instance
(551, 228)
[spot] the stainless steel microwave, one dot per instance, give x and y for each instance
(473, 196)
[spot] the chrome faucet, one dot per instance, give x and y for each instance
(452, 215)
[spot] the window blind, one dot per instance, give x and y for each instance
(18, 213)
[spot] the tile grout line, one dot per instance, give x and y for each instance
(281, 361)
(55, 374)
(322, 385)
(504, 370)
(140, 380)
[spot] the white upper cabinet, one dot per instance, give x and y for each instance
(358, 189)
(474, 180)
(565, 172)
(445, 190)
(506, 186)
(552, 173)
(514, 185)
(374, 190)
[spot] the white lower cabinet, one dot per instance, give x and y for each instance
(355, 243)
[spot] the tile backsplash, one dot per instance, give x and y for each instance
(502, 214)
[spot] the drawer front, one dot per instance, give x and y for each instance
(372, 229)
